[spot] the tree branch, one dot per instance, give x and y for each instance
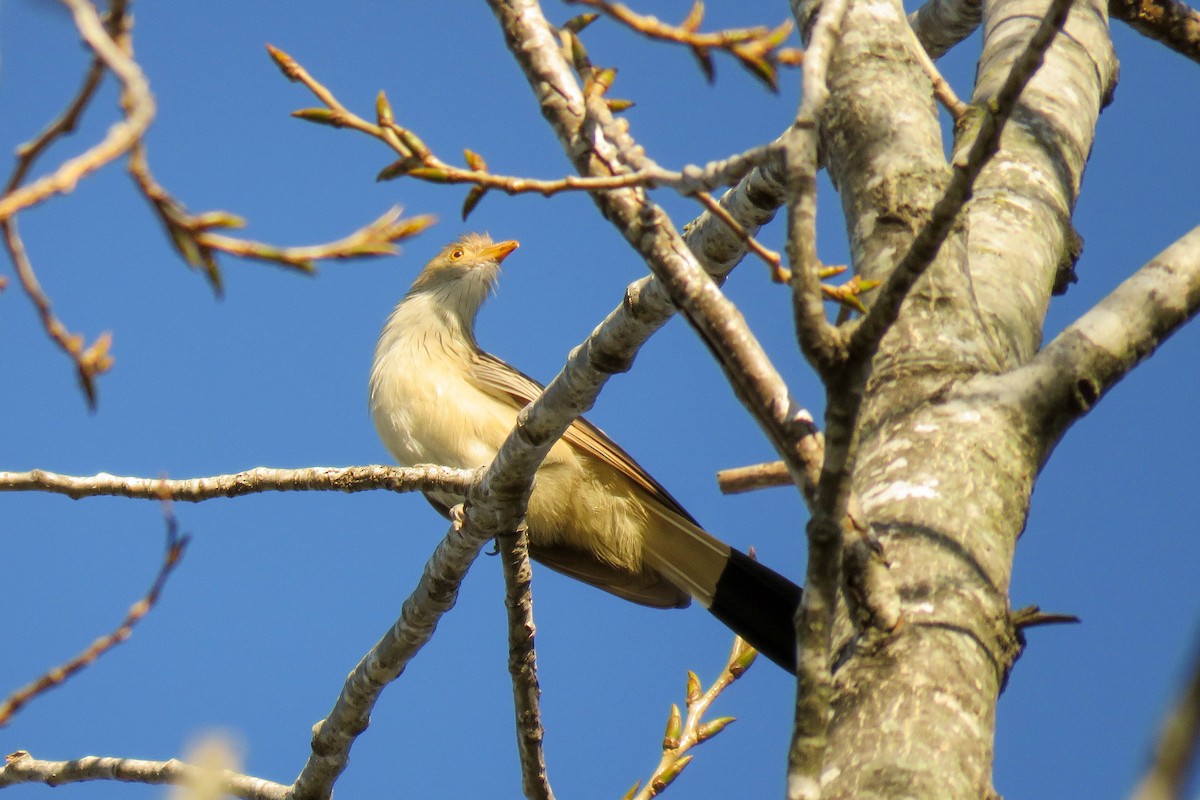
(1024, 198)
(814, 619)
(1174, 23)
(1064, 381)
(90, 360)
(941, 24)
(758, 49)
(921, 253)
(120, 138)
(194, 238)
(522, 664)
(756, 476)
(21, 767)
(434, 595)
(684, 734)
(61, 674)
(427, 478)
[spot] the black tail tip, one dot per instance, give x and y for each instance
(759, 605)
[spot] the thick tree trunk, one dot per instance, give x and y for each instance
(946, 462)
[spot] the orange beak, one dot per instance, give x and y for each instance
(499, 251)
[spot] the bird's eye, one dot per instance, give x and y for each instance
(456, 255)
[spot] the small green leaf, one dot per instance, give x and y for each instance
(321, 116)
(475, 161)
(473, 197)
(383, 109)
(287, 65)
(712, 728)
(576, 24)
(674, 728)
(691, 23)
(431, 174)
(671, 773)
(694, 689)
(705, 60)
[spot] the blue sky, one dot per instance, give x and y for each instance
(280, 595)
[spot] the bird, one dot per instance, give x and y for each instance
(594, 513)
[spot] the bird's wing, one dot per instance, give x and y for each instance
(499, 378)
(647, 586)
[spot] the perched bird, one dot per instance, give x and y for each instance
(594, 513)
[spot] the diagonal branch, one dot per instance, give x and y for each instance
(120, 137)
(61, 674)
(1172, 22)
(434, 595)
(194, 236)
(90, 360)
(1071, 373)
(682, 733)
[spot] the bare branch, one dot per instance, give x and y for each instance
(522, 664)
(120, 138)
(801, 158)
(21, 767)
(758, 49)
(1174, 23)
(685, 733)
(193, 236)
(434, 595)
(942, 89)
(814, 620)
(1066, 379)
(254, 481)
(756, 476)
(59, 675)
(941, 24)
(417, 160)
(90, 360)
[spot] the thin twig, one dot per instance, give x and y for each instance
(756, 476)
(59, 675)
(193, 234)
(759, 49)
(435, 594)
(254, 481)
(417, 160)
(942, 89)
(90, 360)
(21, 767)
(522, 664)
(683, 734)
(120, 137)
(814, 620)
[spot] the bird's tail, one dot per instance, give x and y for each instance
(754, 601)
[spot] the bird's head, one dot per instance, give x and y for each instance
(460, 276)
